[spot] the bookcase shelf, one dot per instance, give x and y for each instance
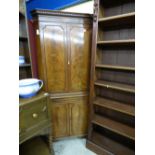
(115, 105)
(117, 42)
(114, 126)
(24, 49)
(126, 18)
(113, 67)
(112, 85)
(25, 65)
(102, 144)
(116, 86)
(23, 38)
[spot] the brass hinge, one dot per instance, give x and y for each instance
(37, 32)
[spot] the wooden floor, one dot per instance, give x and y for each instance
(35, 146)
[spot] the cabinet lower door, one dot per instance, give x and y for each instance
(59, 118)
(69, 116)
(79, 117)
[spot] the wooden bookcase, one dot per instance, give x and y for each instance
(112, 90)
(24, 69)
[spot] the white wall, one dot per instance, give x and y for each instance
(86, 7)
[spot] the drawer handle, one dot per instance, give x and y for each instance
(44, 108)
(34, 115)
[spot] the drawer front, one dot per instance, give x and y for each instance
(33, 114)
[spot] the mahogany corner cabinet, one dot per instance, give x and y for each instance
(63, 42)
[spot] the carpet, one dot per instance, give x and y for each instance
(75, 146)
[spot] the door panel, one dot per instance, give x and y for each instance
(60, 120)
(55, 55)
(69, 116)
(79, 116)
(80, 41)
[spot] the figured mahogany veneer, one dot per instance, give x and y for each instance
(63, 43)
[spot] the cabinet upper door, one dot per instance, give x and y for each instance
(54, 47)
(79, 53)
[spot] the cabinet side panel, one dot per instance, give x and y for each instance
(39, 53)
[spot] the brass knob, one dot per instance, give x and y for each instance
(34, 115)
(46, 94)
(44, 108)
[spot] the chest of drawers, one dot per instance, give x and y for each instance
(34, 117)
